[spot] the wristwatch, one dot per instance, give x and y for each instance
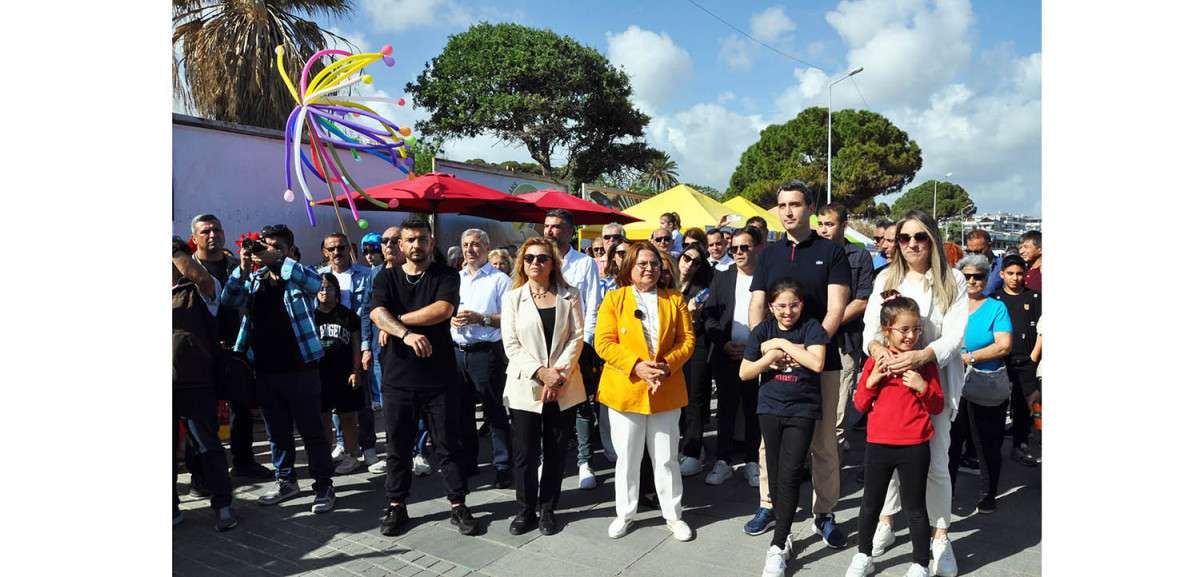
(487, 321)
(971, 357)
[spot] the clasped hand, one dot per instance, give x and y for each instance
(551, 379)
(780, 359)
(895, 362)
(464, 318)
(652, 373)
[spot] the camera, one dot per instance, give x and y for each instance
(253, 245)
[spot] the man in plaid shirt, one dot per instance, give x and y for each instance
(279, 333)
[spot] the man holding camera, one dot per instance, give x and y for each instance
(277, 294)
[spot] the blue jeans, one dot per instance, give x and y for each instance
(294, 399)
(484, 370)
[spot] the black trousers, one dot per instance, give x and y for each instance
(482, 370)
(198, 409)
(912, 464)
(241, 434)
(787, 440)
(1022, 372)
(695, 415)
(402, 408)
(732, 392)
(984, 426)
(546, 435)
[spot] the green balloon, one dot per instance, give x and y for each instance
(363, 224)
(411, 141)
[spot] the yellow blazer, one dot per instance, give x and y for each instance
(621, 342)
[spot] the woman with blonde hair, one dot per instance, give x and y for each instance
(541, 323)
(644, 334)
(920, 271)
(500, 260)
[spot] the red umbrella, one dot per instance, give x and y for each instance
(584, 211)
(438, 192)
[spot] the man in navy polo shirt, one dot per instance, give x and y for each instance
(821, 269)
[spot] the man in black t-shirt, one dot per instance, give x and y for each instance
(412, 304)
(820, 267)
(209, 237)
(1025, 309)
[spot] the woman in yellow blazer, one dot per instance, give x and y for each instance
(541, 324)
(644, 334)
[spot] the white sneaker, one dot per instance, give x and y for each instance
(346, 466)
(942, 562)
(378, 467)
(370, 457)
(915, 570)
(860, 566)
(690, 466)
(884, 537)
(777, 559)
(421, 466)
(587, 480)
(750, 470)
(618, 528)
(338, 452)
(719, 473)
(680, 530)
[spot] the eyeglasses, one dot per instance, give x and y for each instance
(975, 276)
(662, 239)
(389, 240)
(621, 253)
(598, 250)
(613, 237)
(738, 248)
(649, 264)
(540, 258)
(920, 236)
(913, 331)
(338, 248)
(686, 258)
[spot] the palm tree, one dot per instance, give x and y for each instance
(226, 49)
(661, 173)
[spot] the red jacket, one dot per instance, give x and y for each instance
(899, 415)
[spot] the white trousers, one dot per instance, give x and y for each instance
(658, 433)
(937, 489)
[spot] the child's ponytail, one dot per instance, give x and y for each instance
(895, 303)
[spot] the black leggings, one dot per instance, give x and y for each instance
(694, 416)
(985, 427)
(912, 463)
(787, 441)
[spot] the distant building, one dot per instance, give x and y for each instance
(1005, 228)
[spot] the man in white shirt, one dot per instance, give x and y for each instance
(612, 235)
(717, 256)
(579, 270)
(478, 350)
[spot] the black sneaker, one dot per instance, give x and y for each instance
(251, 471)
(395, 517)
(522, 524)
(969, 465)
(826, 527)
(986, 505)
(547, 524)
(1022, 455)
(226, 520)
(198, 490)
(461, 518)
(503, 479)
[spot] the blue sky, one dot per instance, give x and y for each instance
(962, 78)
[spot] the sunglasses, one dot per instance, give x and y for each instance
(613, 237)
(686, 258)
(878, 238)
(621, 253)
(540, 258)
(920, 236)
(975, 276)
(740, 248)
(389, 240)
(661, 239)
(338, 248)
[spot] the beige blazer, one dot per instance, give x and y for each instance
(525, 344)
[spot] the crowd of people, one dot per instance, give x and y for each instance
(618, 351)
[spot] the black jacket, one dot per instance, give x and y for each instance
(718, 314)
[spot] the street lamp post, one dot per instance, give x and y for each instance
(829, 138)
(935, 183)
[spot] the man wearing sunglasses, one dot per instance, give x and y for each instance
(980, 242)
(664, 241)
(278, 294)
(820, 267)
(355, 280)
(885, 243)
(612, 235)
(718, 258)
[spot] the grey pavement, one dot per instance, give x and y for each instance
(287, 539)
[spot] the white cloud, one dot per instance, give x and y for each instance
(706, 140)
(726, 96)
(771, 24)
(400, 15)
(735, 53)
(655, 64)
(809, 90)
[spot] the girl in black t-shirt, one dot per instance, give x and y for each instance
(340, 368)
(789, 354)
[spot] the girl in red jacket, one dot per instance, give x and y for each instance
(898, 434)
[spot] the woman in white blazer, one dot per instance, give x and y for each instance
(541, 322)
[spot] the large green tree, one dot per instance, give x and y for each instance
(557, 97)
(871, 156)
(225, 54)
(952, 200)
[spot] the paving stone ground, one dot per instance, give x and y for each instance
(288, 539)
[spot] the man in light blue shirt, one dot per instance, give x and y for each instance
(475, 329)
(980, 242)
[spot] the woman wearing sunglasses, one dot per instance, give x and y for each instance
(981, 418)
(696, 275)
(644, 334)
(541, 323)
(919, 271)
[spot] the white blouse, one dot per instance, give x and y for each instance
(648, 304)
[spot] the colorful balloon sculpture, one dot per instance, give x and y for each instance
(331, 121)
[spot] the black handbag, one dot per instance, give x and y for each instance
(234, 378)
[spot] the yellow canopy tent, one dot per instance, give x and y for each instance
(695, 209)
(740, 205)
(852, 236)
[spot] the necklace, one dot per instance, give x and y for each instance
(538, 293)
(420, 278)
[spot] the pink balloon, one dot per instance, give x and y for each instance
(386, 50)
